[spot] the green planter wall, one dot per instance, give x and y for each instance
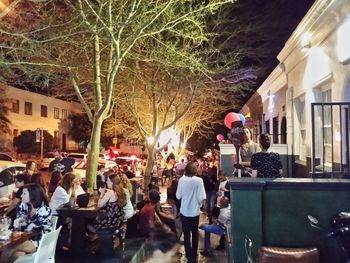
(273, 212)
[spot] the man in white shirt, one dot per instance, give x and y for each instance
(192, 194)
(218, 226)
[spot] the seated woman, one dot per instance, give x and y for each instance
(20, 181)
(266, 164)
(69, 188)
(128, 208)
(111, 201)
(34, 213)
(66, 192)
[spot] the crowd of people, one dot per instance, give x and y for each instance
(193, 187)
(35, 201)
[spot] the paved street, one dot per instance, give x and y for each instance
(132, 245)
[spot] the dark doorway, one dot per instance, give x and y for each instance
(64, 146)
(267, 126)
(284, 130)
(275, 130)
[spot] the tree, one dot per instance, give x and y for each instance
(80, 130)
(151, 105)
(90, 43)
(4, 110)
(25, 142)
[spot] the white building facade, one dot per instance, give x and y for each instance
(305, 102)
(30, 111)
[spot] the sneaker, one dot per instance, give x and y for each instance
(220, 247)
(206, 253)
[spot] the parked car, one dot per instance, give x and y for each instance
(47, 159)
(6, 157)
(80, 168)
(127, 160)
(8, 171)
(82, 156)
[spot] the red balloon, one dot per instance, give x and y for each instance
(219, 137)
(231, 117)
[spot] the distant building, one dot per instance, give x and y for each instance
(305, 102)
(29, 111)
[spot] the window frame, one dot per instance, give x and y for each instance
(28, 108)
(45, 108)
(64, 114)
(15, 106)
(56, 113)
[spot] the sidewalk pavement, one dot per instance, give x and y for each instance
(133, 244)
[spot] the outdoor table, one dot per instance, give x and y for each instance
(79, 217)
(15, 239)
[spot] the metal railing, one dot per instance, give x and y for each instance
(330, 139)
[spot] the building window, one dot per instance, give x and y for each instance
(28, 108)
(64, 114)
(56, 113)
(15, 106)
(343, 42)
(43, 111)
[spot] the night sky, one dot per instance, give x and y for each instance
(265, 27)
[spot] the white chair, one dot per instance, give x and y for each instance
(46, 250)
(54, 220)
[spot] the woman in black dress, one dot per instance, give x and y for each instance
(266, 164)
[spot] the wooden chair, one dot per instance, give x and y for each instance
(288, 255)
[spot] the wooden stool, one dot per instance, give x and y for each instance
(288, 255)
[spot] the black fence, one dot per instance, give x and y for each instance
(330, 140)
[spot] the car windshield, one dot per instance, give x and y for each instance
(127, 160)
(76, 156)
(83, 165)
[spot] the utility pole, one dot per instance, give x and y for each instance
(115, 139)
(39, 137)
(42, 143)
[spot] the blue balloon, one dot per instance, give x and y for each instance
(242, 118)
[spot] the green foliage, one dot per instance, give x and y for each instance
(80, 127)
(4, 110)
(25, 142)
(89, 45)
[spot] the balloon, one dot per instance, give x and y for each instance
(219, 137)
(242, 118)
(229, 118)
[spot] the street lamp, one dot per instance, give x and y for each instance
(150, 140)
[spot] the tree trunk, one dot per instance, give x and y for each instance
(93, 153)
(148, 170)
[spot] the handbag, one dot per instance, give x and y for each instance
(83, 200)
